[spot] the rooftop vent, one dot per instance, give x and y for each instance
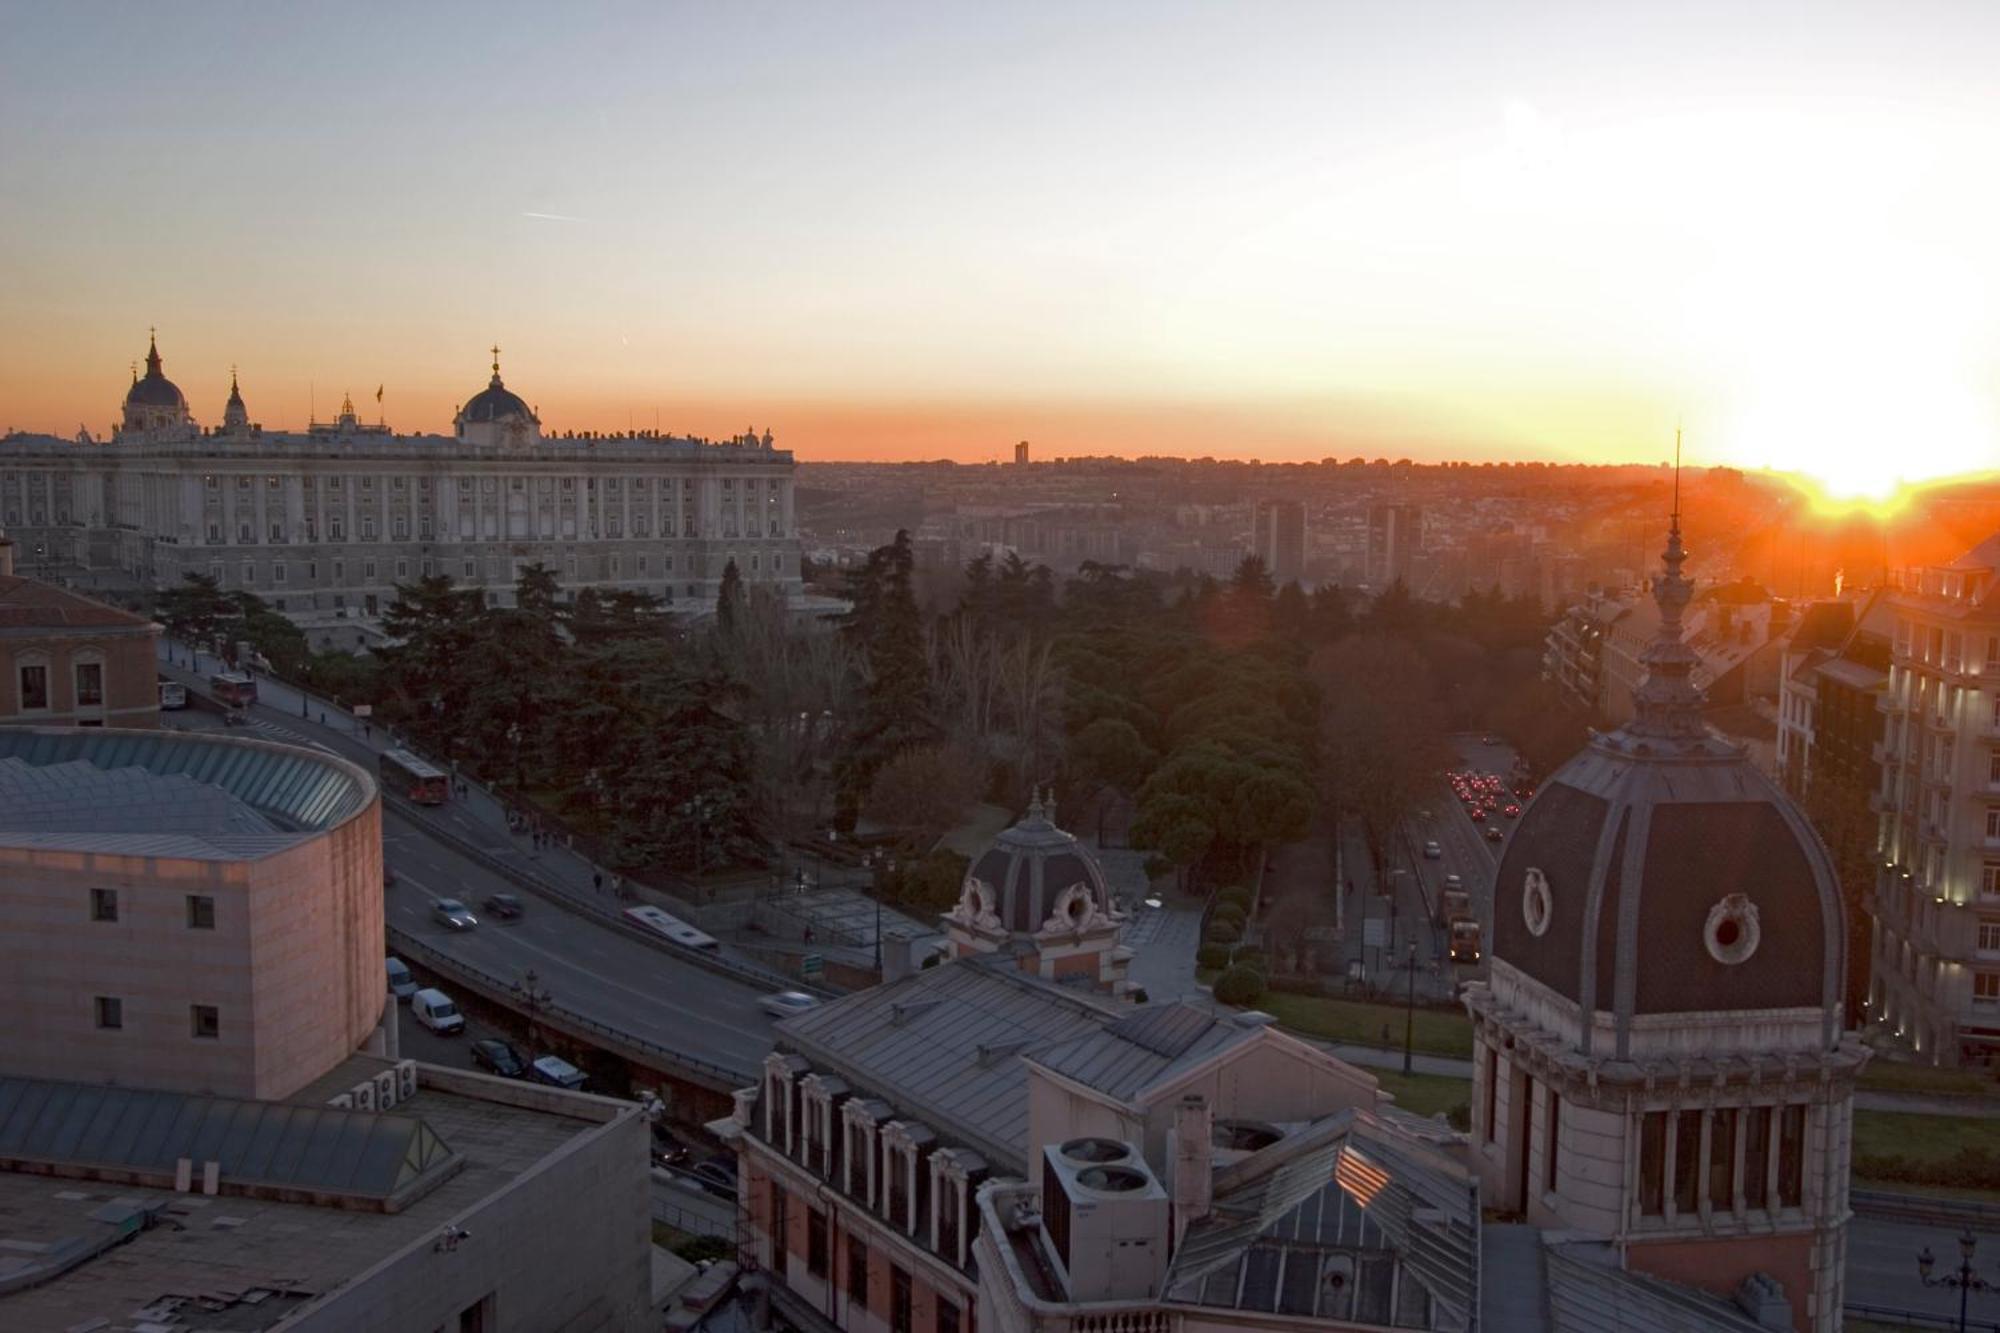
(1086, 1150)
(1113, 1179)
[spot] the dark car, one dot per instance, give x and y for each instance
(498, 1056)
(717, 1175)
(668, 1150)
(503, 905)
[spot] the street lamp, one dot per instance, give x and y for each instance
(1965, 1280)
(536, 996)
(1410, 1006)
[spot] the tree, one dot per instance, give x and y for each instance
(1382, 742)
(923, 792)
(193, 609)
(887, 631)
(729, 601)
(1173, 825)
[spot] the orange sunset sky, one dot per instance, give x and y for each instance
(1284, 231)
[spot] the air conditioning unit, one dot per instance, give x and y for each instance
(386, 1090)
(344, 1102)
(406, 1080)
(364, 1095)
(1106, 1218)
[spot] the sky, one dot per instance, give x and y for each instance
(1438, 230)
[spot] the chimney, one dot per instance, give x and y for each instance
(1193, 1154)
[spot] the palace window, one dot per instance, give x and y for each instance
(857, 1269)
(816, 1243)
(1652, 1163)
(90, 684)
(1756, 1157)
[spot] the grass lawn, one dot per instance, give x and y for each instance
(1897, 1076)
(1436, 1031)
(1922, 1138)
(1427, 1094)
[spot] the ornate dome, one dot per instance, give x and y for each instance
(1659, 872)
(1035, 877)
(155, 389)
(494, 403)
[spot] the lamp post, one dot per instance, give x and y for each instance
(1965, 1280)
(698, 809)
(306, 672)
(535, 996)
(1410, 1006)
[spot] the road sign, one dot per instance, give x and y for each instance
(1375, 933)
(812, 965)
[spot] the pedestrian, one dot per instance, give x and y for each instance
(597, 880)
(322, 717)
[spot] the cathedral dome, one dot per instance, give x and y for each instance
(155, 389)
(1660, 873)
(1035, 876)
(495, 403)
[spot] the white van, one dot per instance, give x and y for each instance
(401, 984)
(434, 1009)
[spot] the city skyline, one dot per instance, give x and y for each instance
(1546, 233)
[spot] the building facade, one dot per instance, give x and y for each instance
(66, 660)
(1395, 536)
(185, 912)
(1278, 538)
(324, 523)
(1659, 1056)
(1936, 954)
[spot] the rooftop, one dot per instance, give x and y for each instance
(237, 1262)
(150, 793)
(29, 604)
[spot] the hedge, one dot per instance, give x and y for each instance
(1212, 955)
(1222, 932)
(1239, 985)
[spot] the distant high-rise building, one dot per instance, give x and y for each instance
(1278, 538)
(1393, 541)
(1021, 453)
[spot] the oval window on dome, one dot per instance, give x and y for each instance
(1732, 932)
(1537, 903)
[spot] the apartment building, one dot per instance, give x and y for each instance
(1936, 946)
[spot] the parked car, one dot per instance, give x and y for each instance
(401, 984)
(1433, 852)
(1512, 812)
(503, 905)
(717, 1175)
(555, 1071)
(434, 1009)
(785, 1003)
(1493, 833)
(453, 914)
(498, 1056)
(669, 1150)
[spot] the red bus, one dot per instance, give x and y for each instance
(410, 776)
(234, 688)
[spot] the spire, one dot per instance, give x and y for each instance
(152, 353)
(496, 367)
(1668, 703)
(235, 394)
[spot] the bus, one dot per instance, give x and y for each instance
(234, 688)
(407, 775)
(671, 927)
(173, 695)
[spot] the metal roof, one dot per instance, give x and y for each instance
(945, 1045)
(1142, 1048)
(1589, 1293)
(98, 784)
(314, 1149)
(1350, 1191)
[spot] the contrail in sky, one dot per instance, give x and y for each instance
(554, 217)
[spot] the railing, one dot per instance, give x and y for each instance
(589, 1030)
(1889, 1314)
(1973, 1213)
(682, 1219)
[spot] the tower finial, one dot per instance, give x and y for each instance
(1677, 480)
(1668, 702)
(496, 363)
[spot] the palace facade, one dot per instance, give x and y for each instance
(324, 523)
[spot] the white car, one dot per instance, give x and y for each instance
(786, 1003)
(434, 1009)
(1433, 852)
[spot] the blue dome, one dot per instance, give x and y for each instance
(495, 403)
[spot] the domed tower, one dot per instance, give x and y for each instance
(1040, 896)
(154, 402)
(495, 415)
(235, 416)
(1659, 1054)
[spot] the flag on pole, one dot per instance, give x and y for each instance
(378, 393)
